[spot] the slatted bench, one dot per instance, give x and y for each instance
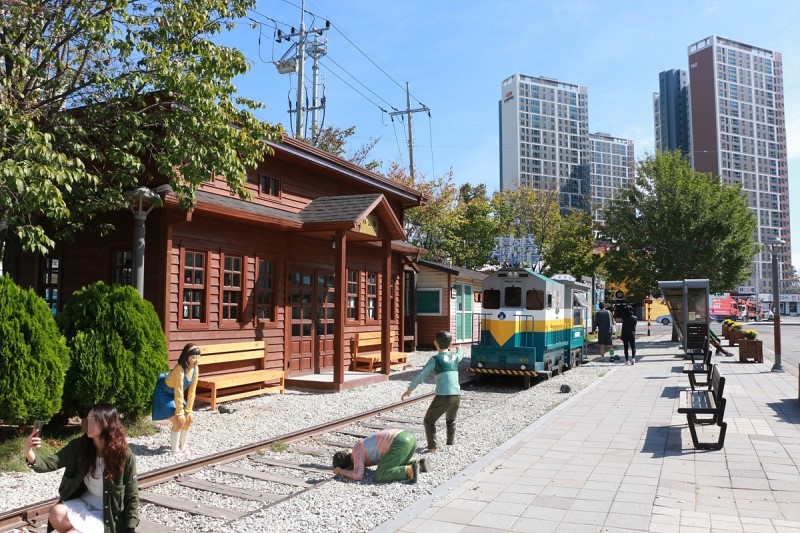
(706, 402)
(703, 369)
(232, 385)
(365, 350)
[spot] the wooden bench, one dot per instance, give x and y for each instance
(228, 386)
(695, 369)
(365, 350)
(706, 402)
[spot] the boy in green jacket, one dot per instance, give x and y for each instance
(448, 392)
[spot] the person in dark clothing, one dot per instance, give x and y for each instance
(604, 325)
(628, 336)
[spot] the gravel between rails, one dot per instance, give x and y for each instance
(342, 505)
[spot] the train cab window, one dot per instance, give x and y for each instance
(491, 299)
(534, 300)
(513, 297)
(549, 300)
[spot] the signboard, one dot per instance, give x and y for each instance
(516, 251)
(745, 289)
(369, 226)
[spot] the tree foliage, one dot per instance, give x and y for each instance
(566, 242)
(33, 356)
(470, 240)
(429, 226)
(677, 224)
(334, 141)
(117, 348)
(99, 96)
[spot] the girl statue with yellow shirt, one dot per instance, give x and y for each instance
(168, 398)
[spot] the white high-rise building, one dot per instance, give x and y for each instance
(544, 138)
(739, 133)
(612, 170)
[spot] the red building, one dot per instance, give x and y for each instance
(317, 255)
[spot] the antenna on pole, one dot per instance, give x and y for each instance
(408, 111)
(291, 63)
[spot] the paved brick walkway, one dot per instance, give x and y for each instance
(618, 457)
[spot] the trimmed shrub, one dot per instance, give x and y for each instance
(117, 349)
(33, 356)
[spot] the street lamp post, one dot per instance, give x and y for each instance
(648, 302)
(775, 246)
(142, 201)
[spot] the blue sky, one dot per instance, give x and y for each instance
(455, 55)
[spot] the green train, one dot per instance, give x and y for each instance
(530, 325)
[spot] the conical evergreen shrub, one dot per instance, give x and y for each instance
(33, 356)
(117, 349)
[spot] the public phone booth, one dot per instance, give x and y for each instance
(688, 303)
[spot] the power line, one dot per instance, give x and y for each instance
(356, 90)
(328, 58)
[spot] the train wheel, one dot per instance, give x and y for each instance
(548, 367)
(559, 364)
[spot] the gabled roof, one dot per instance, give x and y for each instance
(348, 212)
(290, 146)
(453, 270)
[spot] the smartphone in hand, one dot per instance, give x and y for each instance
(37, 428)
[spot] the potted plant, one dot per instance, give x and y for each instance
(735, 333)
(750, 347)
(726, 327)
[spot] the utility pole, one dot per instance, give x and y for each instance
(288, 65)
(301, 53)
(408, 111)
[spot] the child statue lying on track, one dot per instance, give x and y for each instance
(390, 450)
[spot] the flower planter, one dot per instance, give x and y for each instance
(751, 349)
(734, 336)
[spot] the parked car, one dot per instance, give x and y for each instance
(665, 319)
(769, 315)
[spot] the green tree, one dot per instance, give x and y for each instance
(33, 356)
(100, 96)
(676, 224)
(334, 141)
(430, 225)
(565, 242)
(117, 348)
(470, 240)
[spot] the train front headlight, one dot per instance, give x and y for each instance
(523, 367)
(480, 365)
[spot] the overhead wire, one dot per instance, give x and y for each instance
(329, 58)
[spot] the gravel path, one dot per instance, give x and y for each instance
(341, 505)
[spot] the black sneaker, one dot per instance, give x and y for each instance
(415, 470)
(425, 465)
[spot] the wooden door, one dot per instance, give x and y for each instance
(311, 299)
(323, 319)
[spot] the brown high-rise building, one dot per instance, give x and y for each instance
(739, 134)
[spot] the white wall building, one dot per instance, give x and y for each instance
(612, 170)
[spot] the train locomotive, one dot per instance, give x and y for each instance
(530, 325)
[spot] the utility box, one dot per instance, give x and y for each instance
(688, 303)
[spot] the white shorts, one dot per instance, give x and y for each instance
(84, 517)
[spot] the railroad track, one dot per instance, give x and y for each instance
(247, 479)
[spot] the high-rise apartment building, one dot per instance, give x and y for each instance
(739, 134)
(612, 170)
(671, 111)
(544, 138)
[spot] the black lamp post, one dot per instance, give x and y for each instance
(775, 246)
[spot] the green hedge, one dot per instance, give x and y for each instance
(117, 348)
(33, 356)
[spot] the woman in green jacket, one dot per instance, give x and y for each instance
(99, 491)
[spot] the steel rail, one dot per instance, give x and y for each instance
(36, 513)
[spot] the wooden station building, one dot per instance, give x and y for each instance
(317, 255)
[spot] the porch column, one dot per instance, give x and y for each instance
(386, 322)
(340, 281)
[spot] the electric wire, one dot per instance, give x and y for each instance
(368, 99)
(329, 58)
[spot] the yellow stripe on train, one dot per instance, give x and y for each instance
(503, 330)
(504, 372)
